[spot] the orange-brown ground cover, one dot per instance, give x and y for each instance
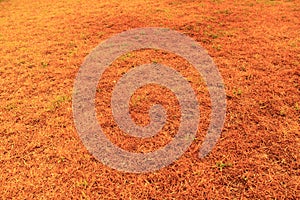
(256, 46)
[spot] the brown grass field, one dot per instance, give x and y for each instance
(254, 43)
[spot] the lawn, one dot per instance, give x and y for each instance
(254, 43)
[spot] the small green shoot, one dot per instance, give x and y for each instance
(282, 112)
(238, 92)
(297, 107)
(217, 47)
(82, 183)
(125, 56)
(222, 165)
(154, 61)
(44, 64)
(56, 103)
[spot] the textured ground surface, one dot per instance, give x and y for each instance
(256, 46)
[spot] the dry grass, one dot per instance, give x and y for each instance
(256, 46)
